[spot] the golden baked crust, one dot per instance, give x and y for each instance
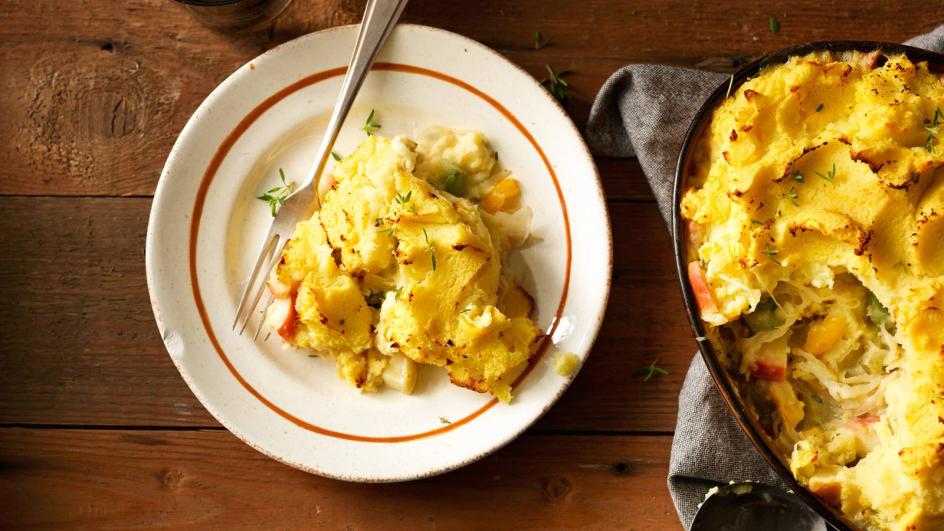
(817, 209)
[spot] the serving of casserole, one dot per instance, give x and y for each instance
(813, 215)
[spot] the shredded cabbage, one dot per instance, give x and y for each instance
(851, 375)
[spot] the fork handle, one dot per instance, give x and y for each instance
(380, 17)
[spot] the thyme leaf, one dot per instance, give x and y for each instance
(772, 254)
(430, 249)
(403, 198)
(796, 175)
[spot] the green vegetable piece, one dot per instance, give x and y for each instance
(764, 317)
(877, 312)
(374, 299)
(454, 182)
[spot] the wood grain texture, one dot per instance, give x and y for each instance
(93, 101)
(94, 93)
(209, 479)
(81, 347)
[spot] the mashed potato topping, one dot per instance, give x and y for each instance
(403, 266)
(816, 222)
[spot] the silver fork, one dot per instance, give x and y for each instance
(380, 17)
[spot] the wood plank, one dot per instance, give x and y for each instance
(209, 479)
(93, 102)
(81, 348)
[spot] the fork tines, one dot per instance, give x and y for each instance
(255, 285)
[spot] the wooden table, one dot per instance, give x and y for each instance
(96, 426)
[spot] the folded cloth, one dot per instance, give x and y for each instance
(645, 111)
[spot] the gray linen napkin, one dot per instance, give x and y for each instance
(644, 111)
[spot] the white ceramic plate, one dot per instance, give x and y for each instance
(206, 225)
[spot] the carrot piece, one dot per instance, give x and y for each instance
(287, 330)
(823, 335)
(769, 371)
(703, 297)
(503, 197)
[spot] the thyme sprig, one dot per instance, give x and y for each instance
(277, 195)
(370, 126)
(933, 129)
(540, 41)
(830, 175)
(649, 372)
(404, 201)
(556, 85)
(793, 196)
